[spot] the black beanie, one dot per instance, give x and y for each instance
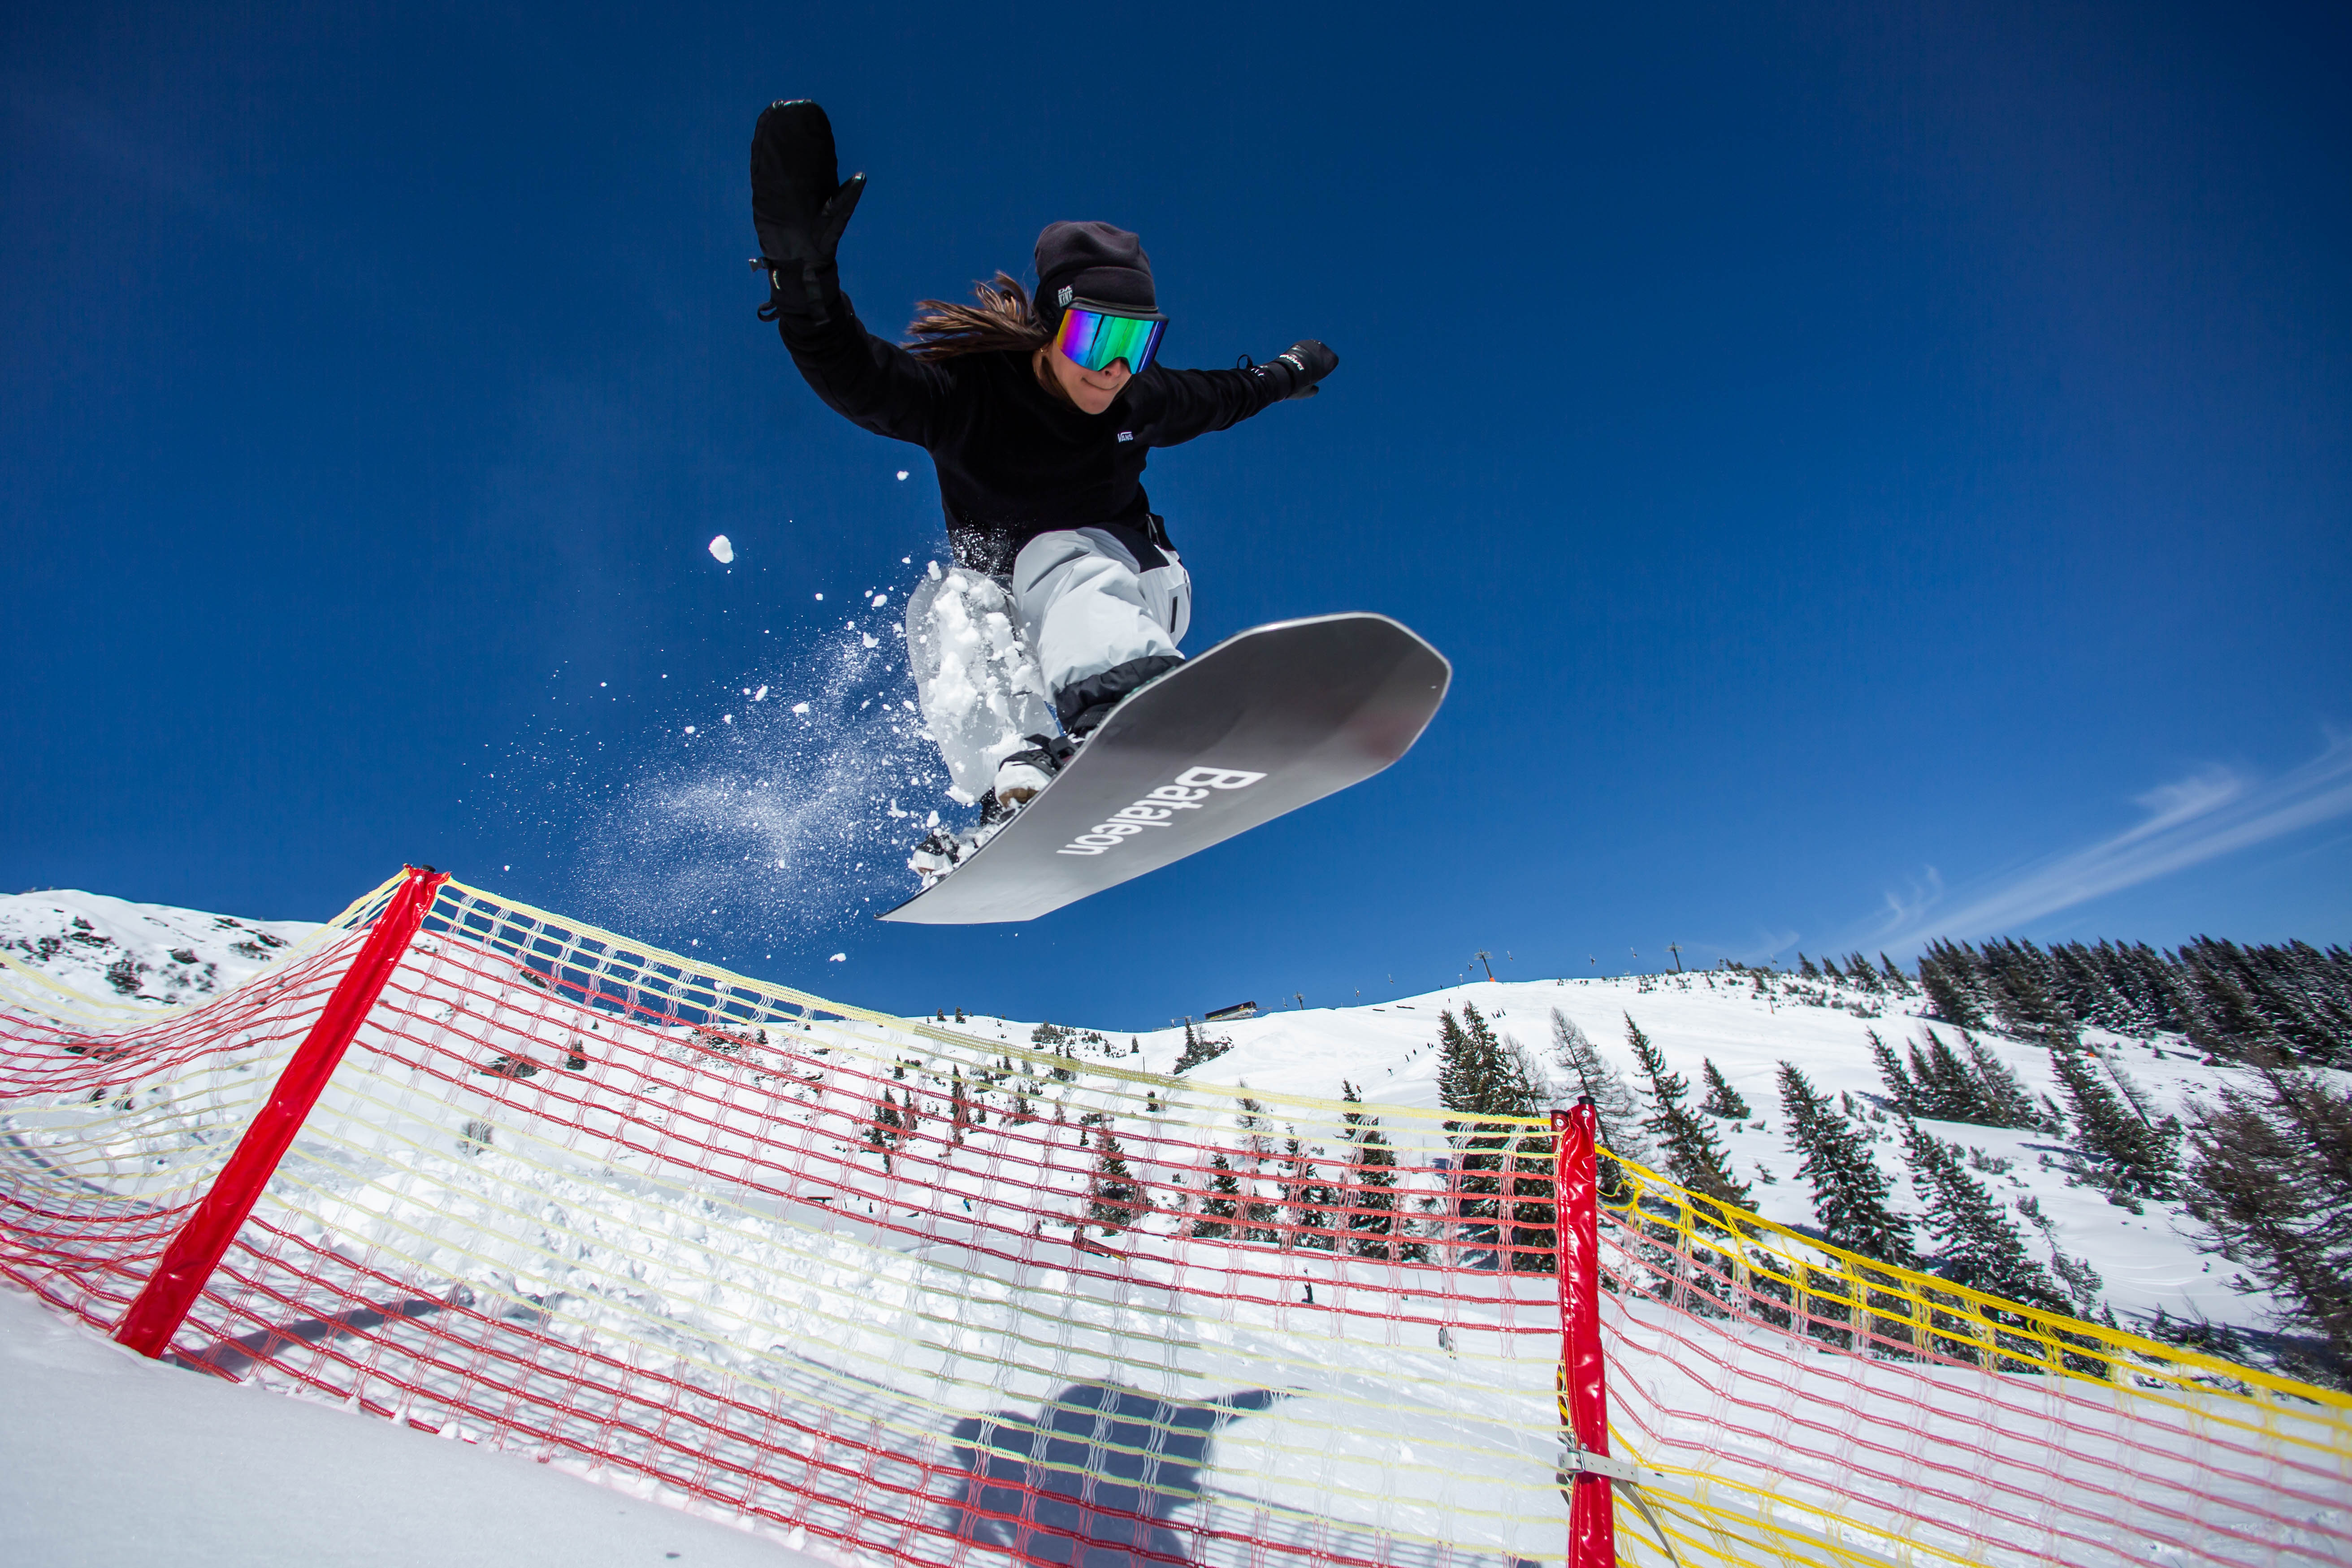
(1091, 261)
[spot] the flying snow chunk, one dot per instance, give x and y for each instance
(723, 550)
(760, 695)
(880, 600)
(902, 473)
(800, 708)
(838, 958)
(870, 639)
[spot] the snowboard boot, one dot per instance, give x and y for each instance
(1022, 775)
(936, 855)
(1083, 706)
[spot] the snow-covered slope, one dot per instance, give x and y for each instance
(139, 955)
(2147, 1260)
(154, 957)
(112, 1458)
(523, 1212)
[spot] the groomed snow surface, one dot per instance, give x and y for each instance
(112, 1458)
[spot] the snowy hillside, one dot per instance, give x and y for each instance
(533, 1177)
(153, 955)
(2145, 1261)
(140, 956)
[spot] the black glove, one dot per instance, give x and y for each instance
(800, 205)
(1309, 363)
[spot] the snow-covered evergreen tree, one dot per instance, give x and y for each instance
(1114, 1197)
(1977, 1244)
(2270, 1177)
(1371, 1186)
(1308, 1196)
(1851, 1194)
(1695, 1157)
(1200, 1048)
(1263, 1220)
(1590, 1075)
(885, 1127)
(1722, 1100)
(1222, 1206)
(2125, 1154)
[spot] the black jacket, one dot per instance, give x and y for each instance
(1013, 460)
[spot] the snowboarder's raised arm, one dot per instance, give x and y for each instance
(1194, 402)
(869, 380)
(800, 206)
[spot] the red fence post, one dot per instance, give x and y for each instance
(1583, 1387)
(188, 1263)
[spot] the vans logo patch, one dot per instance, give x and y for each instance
(1188, 792)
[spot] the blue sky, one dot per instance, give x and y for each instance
(1876, 473)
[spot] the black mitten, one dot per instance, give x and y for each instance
(1309, 361)
(799, 206)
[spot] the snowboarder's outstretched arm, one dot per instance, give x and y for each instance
(1194, 402)
(800, 206)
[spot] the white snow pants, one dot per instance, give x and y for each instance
(1088, 604)
(987, 664)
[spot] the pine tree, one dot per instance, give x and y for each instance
(2023, 999)
(1858, 970)
(1114, 1197)
(1943, 1086)
(1901, 1092)
(1805, 967)
(1223, 1206)
(2004, 1099)
(1722, 1100)
(2270, 1177)
(2127, 1156)
(1199, 1048)
(1978, 1244)
(1263, 1219)
(1851, 1194)
(1534, 1229)
(1310, 1198)
(1949, 1090)
(885, 1128)
(1694, 1156)
(1371, 1186)
(1952, 997)
(1896, 981)
(958, 1108)
(1589, 1073)
(1468, 1074)
(1466, 1062)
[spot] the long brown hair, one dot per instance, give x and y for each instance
(1003, 318)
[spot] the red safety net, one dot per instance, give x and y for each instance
(887, 1287)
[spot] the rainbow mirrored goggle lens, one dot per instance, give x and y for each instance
(1095, 340)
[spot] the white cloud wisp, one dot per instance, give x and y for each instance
(2210, 814)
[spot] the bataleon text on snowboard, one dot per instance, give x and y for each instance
(1192, 789)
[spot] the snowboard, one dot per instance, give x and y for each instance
(1265, 722)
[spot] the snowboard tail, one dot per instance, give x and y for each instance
(1266, 721)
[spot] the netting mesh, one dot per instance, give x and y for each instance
(886, 1289)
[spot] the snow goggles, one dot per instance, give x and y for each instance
(1096, 337)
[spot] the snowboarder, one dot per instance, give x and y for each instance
(1065, 594)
